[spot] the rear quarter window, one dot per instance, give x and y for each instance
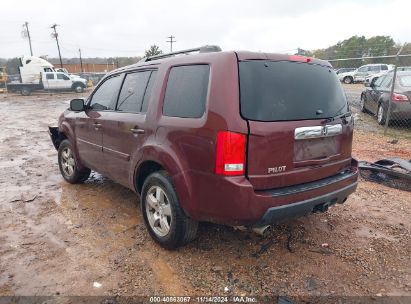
(186, 91)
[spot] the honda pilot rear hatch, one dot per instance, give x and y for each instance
(300, 128)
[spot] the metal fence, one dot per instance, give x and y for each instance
(382, 101)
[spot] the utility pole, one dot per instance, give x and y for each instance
(55, 35)
(394, 78)
(26, 33)
(171, 41)
(81, 61)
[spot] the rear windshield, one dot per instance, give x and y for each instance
(405, 80)
(284, 90)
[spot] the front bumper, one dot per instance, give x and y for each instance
(55, 136)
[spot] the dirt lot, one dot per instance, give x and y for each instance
(62, 239)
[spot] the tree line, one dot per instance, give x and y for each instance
(358, 47)
(353, 47)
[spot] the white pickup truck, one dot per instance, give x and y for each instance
(50, 81)
(38, 74)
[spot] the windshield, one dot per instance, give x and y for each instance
(284, 90)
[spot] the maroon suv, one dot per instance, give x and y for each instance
(237, 138)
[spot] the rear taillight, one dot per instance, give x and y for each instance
(399, 97)
(230, 153)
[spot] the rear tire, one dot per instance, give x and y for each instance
(165, 220)
(68, 164)
(348, 80)
(78, 88)
(362, 104)
(25, 92)
(381, 115)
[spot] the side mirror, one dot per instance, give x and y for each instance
(77, 105)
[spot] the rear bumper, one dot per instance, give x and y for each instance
(401, 111)
(233, 200)
(320, 203)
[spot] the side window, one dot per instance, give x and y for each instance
(60, 76)
(148, 91)
(374, 68)
(132, 92)
(384, 68)
(363, 69)
(386, 83)
(49, 76)
(105, 97)
(186, 91)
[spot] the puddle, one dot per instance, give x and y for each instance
(375, 234)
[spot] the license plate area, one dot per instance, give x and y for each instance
(316, 149)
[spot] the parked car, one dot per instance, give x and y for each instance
(360, 74)
(407, 68)
(373, 77)
(223, 137)
(376, 97)
(344, 70)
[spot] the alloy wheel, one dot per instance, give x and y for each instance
(158, 211)
(67, 162)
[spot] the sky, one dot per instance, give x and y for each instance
(127, 28)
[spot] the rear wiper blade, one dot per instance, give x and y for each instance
(344, 115)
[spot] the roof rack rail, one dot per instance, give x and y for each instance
(201, 49)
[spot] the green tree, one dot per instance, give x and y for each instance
(153, 51)
(12, 66)
(358, 47)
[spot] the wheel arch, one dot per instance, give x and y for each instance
(75, 84)
(65, 130)
(156, 158)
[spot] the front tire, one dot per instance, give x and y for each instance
(68, 165)
(165, 220)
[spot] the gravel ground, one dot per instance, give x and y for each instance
(62, 239)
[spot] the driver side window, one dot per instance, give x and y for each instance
(105, 97)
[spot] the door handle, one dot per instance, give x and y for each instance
(137, 131)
